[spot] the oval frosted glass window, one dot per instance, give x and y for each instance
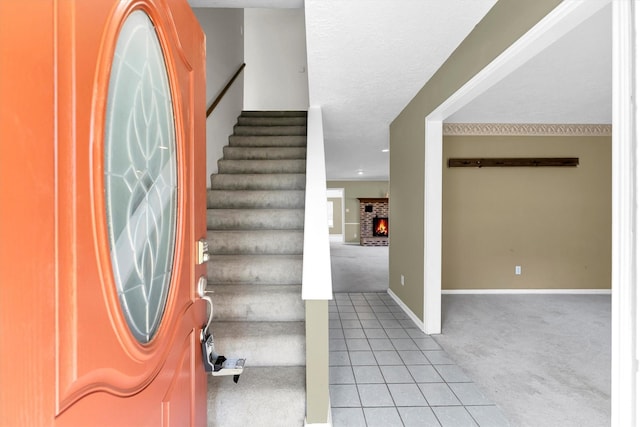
(140, 176)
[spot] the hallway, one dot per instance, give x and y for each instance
(530, 359)
(386, 372)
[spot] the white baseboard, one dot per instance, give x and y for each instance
(420, 324)
(406, 309)
(336, 238)
(525, 291)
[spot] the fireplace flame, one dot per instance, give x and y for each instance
(382, 228)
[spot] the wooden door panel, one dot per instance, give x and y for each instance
(171, 400)
(27, 294)
(96, 354)
(67, 358)
(179, 399)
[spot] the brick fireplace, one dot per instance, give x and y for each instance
(374, 210)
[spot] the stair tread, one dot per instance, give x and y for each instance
(273, 113)
(259, 211)
(215, 285)
(271, 199)
(257, 192)
(255, 241)
(267, 141)
(221, 288)
(257, 269)
(268, 396)
(257, 328)
(262, 166)
(248, 181)
(272, 120)
(264, 153)
(263, 161)
(256, 233)
(241, 292)
(261, 176)
(265, 343)
(270, 130)
(255, 258)
(255, 219)
(285, 128)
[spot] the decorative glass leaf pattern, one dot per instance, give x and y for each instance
(140, 175)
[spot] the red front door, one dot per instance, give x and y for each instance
(102, 200)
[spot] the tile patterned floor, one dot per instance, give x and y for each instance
(384, 371)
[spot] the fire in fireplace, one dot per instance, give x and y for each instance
(381, 227)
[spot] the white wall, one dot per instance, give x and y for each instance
(225, 53)
(276, 55)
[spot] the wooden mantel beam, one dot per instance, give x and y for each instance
(514, 162)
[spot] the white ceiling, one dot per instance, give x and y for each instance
(569, 82)
(368, 58)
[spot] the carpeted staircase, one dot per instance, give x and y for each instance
(255, 224)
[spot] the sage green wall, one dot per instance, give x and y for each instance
(317, 352)
(353, 190)
(555, 222)
(507, 21)
(337, 215)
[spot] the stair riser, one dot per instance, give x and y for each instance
(255, 199)
(258, 303)
(273, 114)
(261, 166)
(258, 271)
(272, 121)
(259, 153)
(262, 343)
(268, 141)
(288, 181)
(255, 219)
(258, 242)
(269, 130)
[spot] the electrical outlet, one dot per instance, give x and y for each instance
(518, 270)
(402, 279)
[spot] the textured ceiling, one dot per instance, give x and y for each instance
(366, 60)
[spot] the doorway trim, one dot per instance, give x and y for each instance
(625, 385)
(556, 24)
(337, 193)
